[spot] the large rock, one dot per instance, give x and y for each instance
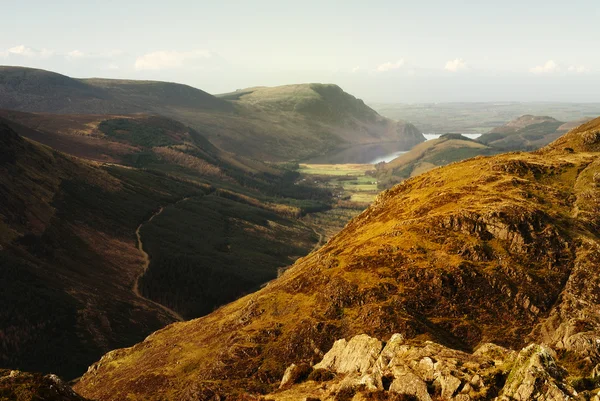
(354, 356)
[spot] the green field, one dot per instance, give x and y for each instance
(352, 186)
(349, 182)
(335, 169)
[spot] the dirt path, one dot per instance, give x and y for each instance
(320, 243)
(136, 284)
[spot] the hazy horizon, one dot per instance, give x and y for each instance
(383, 52)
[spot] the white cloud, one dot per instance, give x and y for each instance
(25, 51)
(579, 69)
(389, 66)
(75, 54)
(547, 68)
(356, 69)
(455, 65)
(162, 60)
(22, 51)
(112, 66)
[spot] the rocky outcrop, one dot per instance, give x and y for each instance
(429, 371)
(424, 371)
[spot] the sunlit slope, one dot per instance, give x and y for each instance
(449, 148)
(501, 249)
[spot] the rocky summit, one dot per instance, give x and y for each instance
(478, 280)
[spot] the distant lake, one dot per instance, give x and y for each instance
(371, 153)
(362, 154)
(436, 136)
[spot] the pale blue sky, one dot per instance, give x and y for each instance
(381, 51)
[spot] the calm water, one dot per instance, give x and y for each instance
(436, 136)
(362, 154)
(371, 153)
(387, 158)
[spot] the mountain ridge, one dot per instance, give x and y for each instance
(256, 130)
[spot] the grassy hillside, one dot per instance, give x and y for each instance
(501, 249)
(449, 148)
(525, 133)
(168, 147)
(69, 255)
(315, 118)
(283, 123)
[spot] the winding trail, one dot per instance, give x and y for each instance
(320, 243)
(136, 284)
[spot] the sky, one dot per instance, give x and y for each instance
(391, 51)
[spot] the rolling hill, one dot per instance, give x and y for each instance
(96, 256)
(28, 89)
(448, 148)
(282, 123)
(525, 133)
(500, 250)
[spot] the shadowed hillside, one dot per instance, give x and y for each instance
(282, 123)
(500, 249)
(69, 256)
